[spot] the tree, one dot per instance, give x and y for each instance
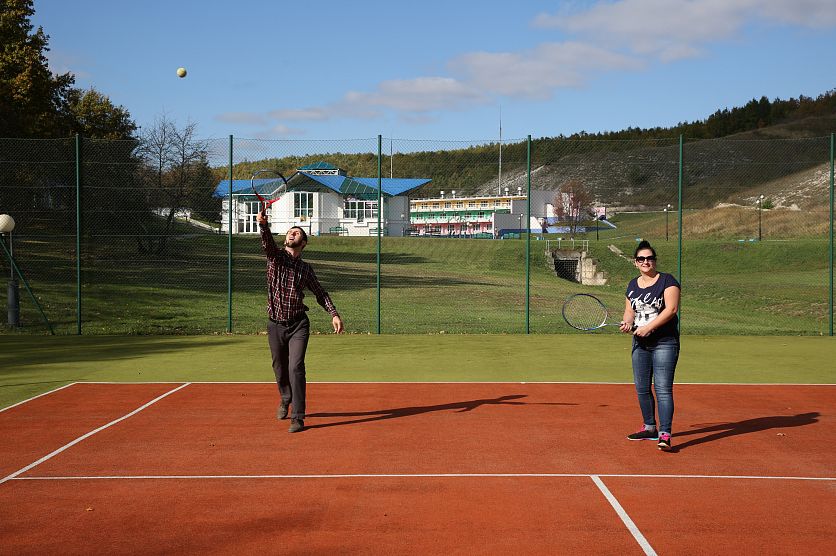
(573, 203)
(36, 103)
(93, 115)
(33, 102)
(175, 171)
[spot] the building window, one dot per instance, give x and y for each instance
(359, 210)
(302, 204)
(251, 219)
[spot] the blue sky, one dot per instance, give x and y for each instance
(439, 69)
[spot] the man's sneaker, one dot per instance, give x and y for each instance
(281, 413)
(296, 425)
(665, 442)
(644, 434)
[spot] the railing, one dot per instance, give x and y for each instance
(571, 243)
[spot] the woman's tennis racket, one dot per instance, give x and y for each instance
(265, 204)
(586, 312)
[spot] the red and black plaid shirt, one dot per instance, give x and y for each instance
(286, 278)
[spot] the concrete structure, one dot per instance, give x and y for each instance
(575, 266)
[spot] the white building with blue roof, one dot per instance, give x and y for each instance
(322, 199)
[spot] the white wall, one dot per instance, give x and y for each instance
(327, 213)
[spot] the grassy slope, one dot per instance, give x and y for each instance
(435, 285)
(31, 365)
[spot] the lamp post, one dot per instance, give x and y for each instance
(760, 206)
(7, 224)
(667, 210)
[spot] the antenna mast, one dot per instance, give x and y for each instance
(499, 188)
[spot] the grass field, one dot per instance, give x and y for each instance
(428, 286)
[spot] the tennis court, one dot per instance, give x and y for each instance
(408, 468)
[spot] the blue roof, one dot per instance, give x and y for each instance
(243, 186)
(360, 187)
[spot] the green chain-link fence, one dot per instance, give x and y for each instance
(133, 237)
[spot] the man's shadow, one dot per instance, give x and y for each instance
(394, 413)
(725, 430)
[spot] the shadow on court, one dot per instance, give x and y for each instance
(725, 430)
(395, 413)
(16, 384)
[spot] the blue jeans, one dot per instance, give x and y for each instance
(655, 363)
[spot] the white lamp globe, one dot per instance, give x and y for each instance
(7, 223)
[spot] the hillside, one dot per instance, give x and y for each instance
(635, 168)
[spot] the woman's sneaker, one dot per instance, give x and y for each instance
(644, 434)
(665, 442)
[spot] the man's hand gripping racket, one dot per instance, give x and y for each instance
(282, 189)
(586, 312)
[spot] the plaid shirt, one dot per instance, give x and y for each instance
(286, 278)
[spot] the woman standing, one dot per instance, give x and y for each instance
(651, 307)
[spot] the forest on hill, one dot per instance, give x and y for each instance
(635, 166)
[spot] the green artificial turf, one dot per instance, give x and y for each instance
(30, 365)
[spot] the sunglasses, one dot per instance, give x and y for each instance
(650, 259)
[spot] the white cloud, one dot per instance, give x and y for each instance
(421, 94)
(606, 35)
(285, 131)
(299, 115)
(537, 73)
(403, 96)
(251, 118)
(673, 29)
(63, 62)
(808, 13)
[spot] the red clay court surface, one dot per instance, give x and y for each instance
(407, 468)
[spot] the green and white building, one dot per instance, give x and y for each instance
(452, 214)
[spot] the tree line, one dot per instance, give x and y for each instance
(755, 114)
(132, 182)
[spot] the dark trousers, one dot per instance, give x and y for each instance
(288, 344)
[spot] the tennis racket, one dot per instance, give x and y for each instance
(586, 312)
(265, 204)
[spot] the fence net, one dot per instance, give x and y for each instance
(448, 244)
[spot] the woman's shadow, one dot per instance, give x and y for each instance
(394, 413)
(725, 430)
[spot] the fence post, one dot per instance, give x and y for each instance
(78, 233)
(379, 230)
(679, 246)
(528, 242)
(830, 290)
(229, 247)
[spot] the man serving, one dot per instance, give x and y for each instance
(288, 328)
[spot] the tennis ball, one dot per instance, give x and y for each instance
(181, 72)
(7, 223)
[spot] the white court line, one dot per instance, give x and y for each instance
(420, 476)
(89, 434)
(38, 396)
(624, 517)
